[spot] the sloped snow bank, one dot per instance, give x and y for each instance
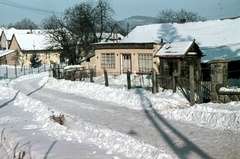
(80, 131)
(171, 105)
(137, 98)
(212, 115)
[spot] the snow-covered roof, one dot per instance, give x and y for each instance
(216, 38)
(174, 49)
(112, 37)
(9, 32)
(30, 41)
(5, 52)
(73, 67)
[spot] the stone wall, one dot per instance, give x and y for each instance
(219, 76)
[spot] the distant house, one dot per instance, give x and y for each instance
(24, 44)
(119, 58)
(6, 35)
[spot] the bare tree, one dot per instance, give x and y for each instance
(169, 16)
(25, 24)
(189, 16)
(60, 38)
(103, 13)
(79, 27)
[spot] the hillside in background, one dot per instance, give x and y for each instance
(133, 21)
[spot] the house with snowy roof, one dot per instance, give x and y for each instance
(120, 58)
(217, 39)
(6, 35)
(23, 44)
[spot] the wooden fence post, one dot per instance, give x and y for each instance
(6, 75)
(174, 81)
(16, 70)
(72, 75)
(54, 71)
(128, 79)
(191, 82)
(154, 81)
(91, 75)
(58, 71)
(106, 77)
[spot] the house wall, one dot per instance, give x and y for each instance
(91, 64)
(118, 59)
(11, 59)
(4, 41)
(46, 57)
(3, 60)
(23, 56)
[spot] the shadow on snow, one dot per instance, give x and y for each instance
(160, 123)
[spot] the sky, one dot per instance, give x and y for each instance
(13, 11)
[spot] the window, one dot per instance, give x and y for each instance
(145, 62)
(108, 60)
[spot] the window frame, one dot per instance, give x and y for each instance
(145, 62)
(108, 61)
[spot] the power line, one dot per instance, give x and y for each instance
(25, 7)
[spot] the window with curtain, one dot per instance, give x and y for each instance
(108, 60)
(145, 62)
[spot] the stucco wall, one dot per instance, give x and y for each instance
(4, 42)
(11, 59)
(118, 59)
(91, 64)
(24, 56)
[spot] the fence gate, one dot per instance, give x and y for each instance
(202, 89)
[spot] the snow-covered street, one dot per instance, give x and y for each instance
(111, 122)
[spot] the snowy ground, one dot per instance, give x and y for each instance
(111, 122)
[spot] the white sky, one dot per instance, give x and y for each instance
(12, 12)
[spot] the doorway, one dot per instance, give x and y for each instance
(126, 63)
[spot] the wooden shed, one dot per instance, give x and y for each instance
(180, 64)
